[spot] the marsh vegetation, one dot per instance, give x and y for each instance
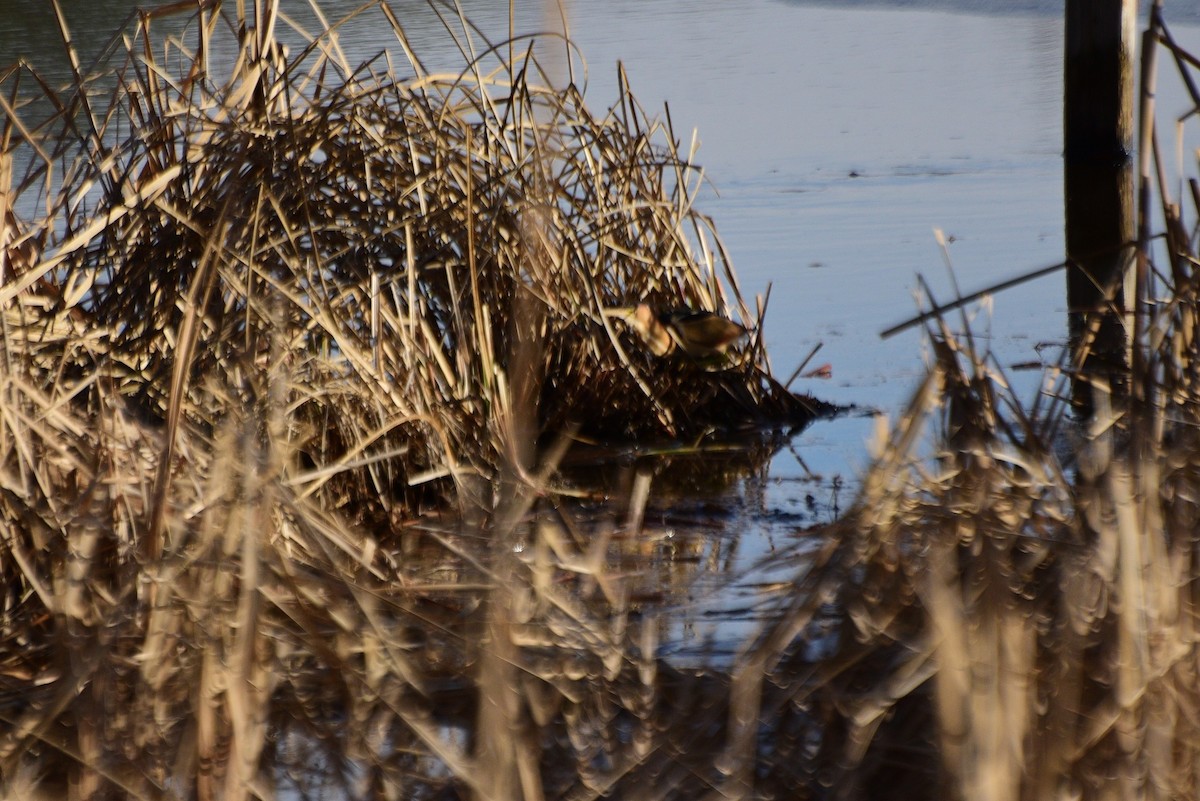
(307, 366)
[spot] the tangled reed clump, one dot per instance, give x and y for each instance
(1013, 616)
(258, 316)
(287, 301)
(1013, 612)
(410, 257)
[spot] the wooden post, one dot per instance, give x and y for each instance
(1098, 168)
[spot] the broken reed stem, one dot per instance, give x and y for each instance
(261, 317)
(1009, 606)
(990, 620)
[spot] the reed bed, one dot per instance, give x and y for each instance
(1010, 609)
(263, 322)
(381, 240)
(295, 362)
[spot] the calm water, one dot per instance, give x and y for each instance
(836, 138)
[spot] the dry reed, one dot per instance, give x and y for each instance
(260, 317)
(258, 323)
(1009, 611)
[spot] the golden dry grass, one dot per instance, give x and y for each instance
(253, 326)
(1010, 609)
(257, 319)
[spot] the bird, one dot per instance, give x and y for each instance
(698, 334)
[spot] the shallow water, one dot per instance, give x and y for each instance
(836, 138)
(838, 148)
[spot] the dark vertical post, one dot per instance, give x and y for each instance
(1098, 167)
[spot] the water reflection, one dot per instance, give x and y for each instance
(835, 137)
(832, 153)
(833, 162)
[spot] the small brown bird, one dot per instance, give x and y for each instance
(699, 334)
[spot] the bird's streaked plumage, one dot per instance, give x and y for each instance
(698, 334)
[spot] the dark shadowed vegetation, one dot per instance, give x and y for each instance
(311, 393)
